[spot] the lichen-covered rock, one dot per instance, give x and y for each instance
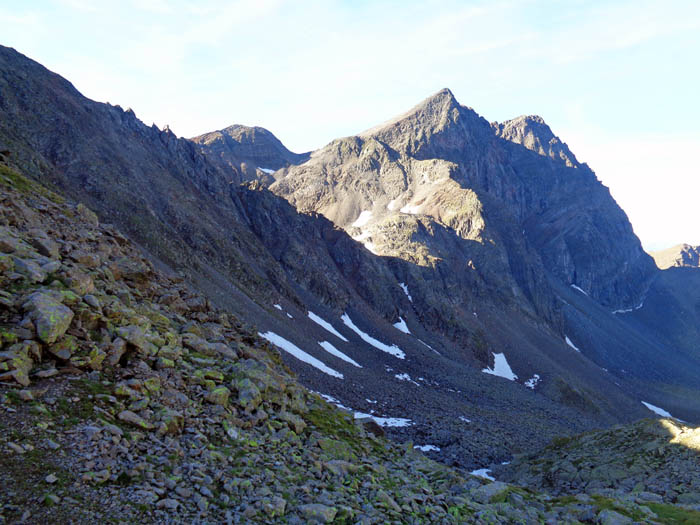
(51, 318)
(318, 513)
(127, 416)
(64, 348)
(248, 394)
(30, 269)
(219, 396)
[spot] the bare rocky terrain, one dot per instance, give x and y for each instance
(125, 396)
(470, 288)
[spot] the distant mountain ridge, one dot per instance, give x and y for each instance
(244, 148)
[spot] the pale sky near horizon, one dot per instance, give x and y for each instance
(617, 81)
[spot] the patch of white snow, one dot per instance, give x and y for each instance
(501, 368)
(405, 290)
(386, 421)
(572, 345)
(371, 247)
(579, 289)
(427, 448)
(628, 310)
(297, 352)
(392, 205)
(426, 344)
(363, 219)
(401, 325)
(328, 347)
(325, 324)
(466, 420)
(656, 410)
(393, 349)
(483, 473)
(532, 382)
(405, 377)
(269, 171)
(278, 306)
(412, 210)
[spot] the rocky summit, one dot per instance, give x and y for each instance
(220, 330)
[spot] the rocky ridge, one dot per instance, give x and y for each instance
(681, 255)
(251, 152)
(126, 396)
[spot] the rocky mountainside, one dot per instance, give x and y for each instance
(470, 286)
(251, 152)
(678, 256)
(443, 163)
(139, 401)
(507, 218)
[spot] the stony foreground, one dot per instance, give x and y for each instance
(125, 397)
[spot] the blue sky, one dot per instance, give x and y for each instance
(617, 81)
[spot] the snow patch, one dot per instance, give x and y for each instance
(532, 382)
(392, 205)
(572, 345)
(483, 473)
(427, 448)
(393, 349)
(363, 219)
(628, 310)
(328, 347)
(386, 421)
(371, 247)
(426, 344)
(579, 289)
(656, 410)
(501, 368)
(278, 306)
(405, 377)
(325, 324)
(401, 325)
(466, 420)
(297, 352)
(269, 171)
(333, 401)
(405, 290)
(412, 210)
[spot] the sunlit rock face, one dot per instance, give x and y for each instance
(513, 193)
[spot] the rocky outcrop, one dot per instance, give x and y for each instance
(533, 132)
(653, 458)
(681, 255)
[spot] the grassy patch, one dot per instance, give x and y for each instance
(19, 182)
(672, 514)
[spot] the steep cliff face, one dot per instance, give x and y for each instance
(250, 152)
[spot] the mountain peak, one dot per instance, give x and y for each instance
(533, 132)
(247, 149)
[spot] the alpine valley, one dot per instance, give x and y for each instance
(217, 329)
